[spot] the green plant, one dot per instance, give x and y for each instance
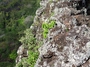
(12, 16)
(32, 58)
(51, 24)
(46, 27)
(13, 55)
(21, 20)
(19, 64)
(30, 42)
(28, 39)
(6, 64)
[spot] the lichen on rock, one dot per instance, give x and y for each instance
(68, 42)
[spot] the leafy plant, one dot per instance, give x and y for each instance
(51, 24)
(6, 64)
(46, 27)
(13, 55)
(30, 42)
(28, 39)
(32, 58)
(19, 64)
(12, 16)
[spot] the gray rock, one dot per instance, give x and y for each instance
(68, 42)
(22, 52)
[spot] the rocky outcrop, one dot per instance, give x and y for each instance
(22, 53)
(68, 42)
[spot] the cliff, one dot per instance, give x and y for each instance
(64, 28)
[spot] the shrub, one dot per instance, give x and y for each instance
(32, 58)
(13, 55)
(19, 64)
(30, 42)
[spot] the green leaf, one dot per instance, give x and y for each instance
(51, 24)
(46, 27)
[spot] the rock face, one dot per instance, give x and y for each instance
(68, 42)
(22, 52)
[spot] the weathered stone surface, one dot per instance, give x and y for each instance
(22, 52)
(68, 42)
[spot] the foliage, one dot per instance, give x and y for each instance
(46, 27)
(28, 39)
(4, 52)
(13, 55)
(30, 42)
(19, 64)
(12, 26)
(6, 64)
(32, 58)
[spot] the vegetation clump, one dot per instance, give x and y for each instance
(30, 42)
(46, 26)
(12, 25)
